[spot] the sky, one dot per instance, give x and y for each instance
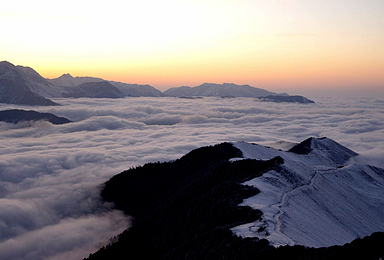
(51, 175)
(281, 45)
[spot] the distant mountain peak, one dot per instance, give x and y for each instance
(66, 75)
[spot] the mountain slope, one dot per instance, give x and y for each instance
(40, 85)
(176, 207)
(18, 86)
(185, 209)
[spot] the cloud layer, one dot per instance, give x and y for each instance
(51, 175)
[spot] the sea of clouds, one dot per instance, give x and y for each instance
(51, 175)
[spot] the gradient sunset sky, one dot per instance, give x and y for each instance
(280, 45)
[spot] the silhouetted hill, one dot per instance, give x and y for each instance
(16, 115)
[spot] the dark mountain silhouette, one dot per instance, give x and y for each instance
(17, 115)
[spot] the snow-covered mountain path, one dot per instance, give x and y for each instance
(284, 202)
(317, 198)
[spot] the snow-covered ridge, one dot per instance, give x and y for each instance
(318, 197)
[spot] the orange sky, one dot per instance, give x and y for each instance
(287, 46)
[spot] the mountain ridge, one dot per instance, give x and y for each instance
(193, 207)
(219, 90)
(23, 85)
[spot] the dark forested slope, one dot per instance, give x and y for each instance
(184, 210)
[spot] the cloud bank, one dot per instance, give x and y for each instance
(51, 175)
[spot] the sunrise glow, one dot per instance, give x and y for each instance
(279, 45)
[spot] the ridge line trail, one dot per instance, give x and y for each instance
(283, 201)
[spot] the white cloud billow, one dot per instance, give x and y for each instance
(51, 175)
